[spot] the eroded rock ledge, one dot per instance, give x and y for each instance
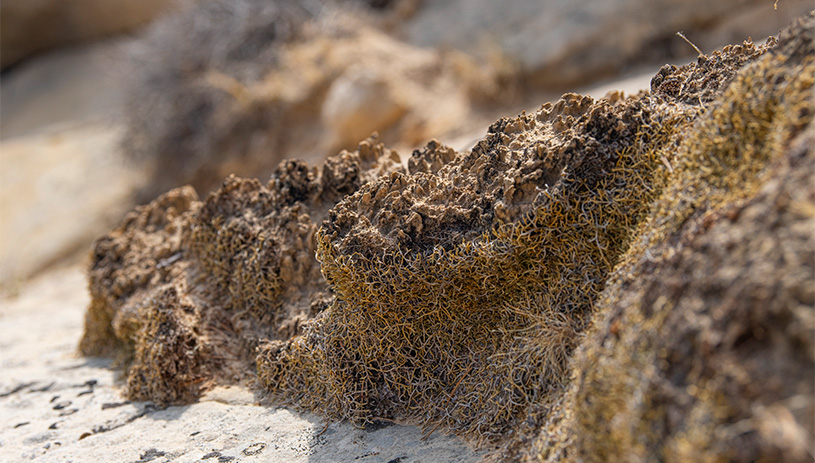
(620, 279)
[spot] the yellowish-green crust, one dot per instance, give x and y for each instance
(702, 349)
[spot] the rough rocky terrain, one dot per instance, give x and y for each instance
(615, 277)
(527, 293)
(238, 100)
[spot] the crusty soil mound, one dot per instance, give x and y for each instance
(628, 278)
(702, 348)
(183, 290)
(471, 282)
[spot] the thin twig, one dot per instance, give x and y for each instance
(690, 43)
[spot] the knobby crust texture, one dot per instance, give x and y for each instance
(624, 279)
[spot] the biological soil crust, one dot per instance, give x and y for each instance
(627, 277)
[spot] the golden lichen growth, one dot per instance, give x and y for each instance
(462, 288)
(702, 350)
(129, 260)
(626, 279)
(183, 290)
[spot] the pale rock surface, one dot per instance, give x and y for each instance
(63, 178)
(358, 103)
(72, 84)
(59, 189)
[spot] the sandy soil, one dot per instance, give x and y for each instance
(56, 406)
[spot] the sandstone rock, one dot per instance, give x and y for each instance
(358, 103)
(58, 188)
(262, 82)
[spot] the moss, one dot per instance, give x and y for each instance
(462, 287)
(127, 262)
(184, 290)
(702, 348)
(626, 279)
(170, 362)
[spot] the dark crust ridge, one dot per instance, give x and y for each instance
(184, 290)
(612, 280)
(702, 345)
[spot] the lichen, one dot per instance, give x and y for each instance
(627, 279)
(702, 345)
(461, 292)
(183, 290)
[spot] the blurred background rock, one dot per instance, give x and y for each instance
(30, 27)
(104, 104)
